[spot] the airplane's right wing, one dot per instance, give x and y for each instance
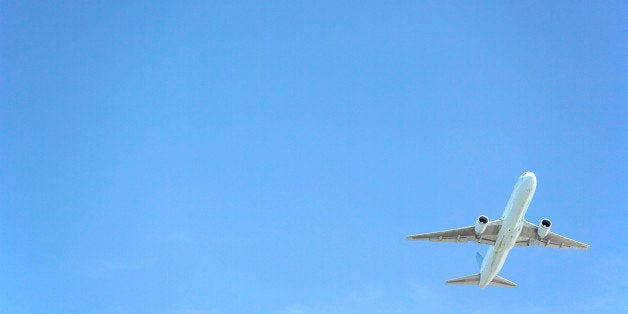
(529, 237)
(489, 236)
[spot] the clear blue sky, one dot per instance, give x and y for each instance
(198, 157)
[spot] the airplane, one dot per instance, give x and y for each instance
(503, 234)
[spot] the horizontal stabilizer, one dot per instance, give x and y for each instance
(475, 280)
(502, 282)
(468, 280)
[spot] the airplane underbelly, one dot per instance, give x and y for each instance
(501, 253)
(503, 245)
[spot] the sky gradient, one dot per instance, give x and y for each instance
(207, 157)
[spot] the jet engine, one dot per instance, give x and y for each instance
(481, 224)
(544, 228)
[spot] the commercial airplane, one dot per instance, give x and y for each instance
(503, 234)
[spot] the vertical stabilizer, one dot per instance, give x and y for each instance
(479, 259)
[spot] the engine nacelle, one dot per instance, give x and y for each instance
(544, 228)
(481, 224)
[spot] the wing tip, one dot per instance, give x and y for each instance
(581, 246)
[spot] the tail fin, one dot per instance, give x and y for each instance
(475, 280)
(479, 259)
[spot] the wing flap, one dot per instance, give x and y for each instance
(529, 236)
(465, 234)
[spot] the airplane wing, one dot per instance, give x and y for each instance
(489, 236)
(529, 236)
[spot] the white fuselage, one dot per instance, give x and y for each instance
(512, 223)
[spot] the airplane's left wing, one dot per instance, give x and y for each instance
(489, 236)
(529, 237)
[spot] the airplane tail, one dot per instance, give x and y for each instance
(475, 280)
(479, 259)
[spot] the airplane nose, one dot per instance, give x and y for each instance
(529, 177)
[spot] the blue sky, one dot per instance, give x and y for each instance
(201, 157)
